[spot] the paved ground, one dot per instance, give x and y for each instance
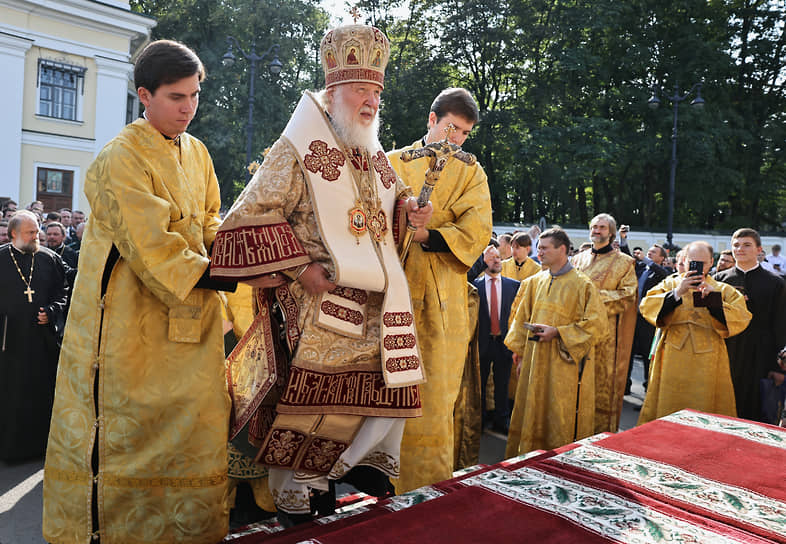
(21, 484)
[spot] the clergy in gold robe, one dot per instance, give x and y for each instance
(553, 337)
(319, 211)
(436, 270)
(518, 267)
(137, 449)
(695, 314)
(614, 274)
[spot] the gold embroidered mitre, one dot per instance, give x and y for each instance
(354, 54)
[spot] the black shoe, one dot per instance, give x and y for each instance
(246, 510)
(370, 481)
(323, 503)
(287, 520)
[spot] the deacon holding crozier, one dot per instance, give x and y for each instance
(436, 269)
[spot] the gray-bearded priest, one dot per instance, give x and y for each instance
(320, 213)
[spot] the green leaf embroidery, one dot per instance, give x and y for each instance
(733, 500)
(704, 420)
(603, 511)
(782, 521)
(520, 482)
(642, 470)
(601, 461)
(775, 437)
(683, 486)
(561, 494)
(654, 530)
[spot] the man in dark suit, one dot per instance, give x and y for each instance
(496, 295)
(653, 272)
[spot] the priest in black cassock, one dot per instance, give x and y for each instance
(753, 353)
(32, 300)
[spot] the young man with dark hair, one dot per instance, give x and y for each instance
(554, 351)
(436, 271)
(725, 261)
(141, 410)
(519, 266)
(752, 354)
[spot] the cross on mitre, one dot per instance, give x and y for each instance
(355, 14)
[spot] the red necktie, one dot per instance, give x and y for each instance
(494, 311)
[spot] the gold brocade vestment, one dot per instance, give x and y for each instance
(614, 274)
(519, 273)
(555, 402)
(154, 343)
(335, 388)
(438, 287)
(690, 368)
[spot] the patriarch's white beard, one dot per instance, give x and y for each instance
(351, 132)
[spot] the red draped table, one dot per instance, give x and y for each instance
(688, 477)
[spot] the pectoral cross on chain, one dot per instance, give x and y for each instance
(29, 292)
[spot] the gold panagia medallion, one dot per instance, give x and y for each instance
(357, 220)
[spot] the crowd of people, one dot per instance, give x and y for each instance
(340, 323)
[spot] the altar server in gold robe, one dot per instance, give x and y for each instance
(695, 313)
(553, 336)
(137, 447)
(519, 266)
(319, 212)
(614, 274)
(436, 270)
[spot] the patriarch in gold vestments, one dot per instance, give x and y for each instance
(614, 274)
(436, 270)
(553, 337)
(314, 233)
(695, 314)
(138, 442)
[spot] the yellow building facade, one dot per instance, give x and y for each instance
(67, 90)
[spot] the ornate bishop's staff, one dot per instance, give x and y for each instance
(439, 153)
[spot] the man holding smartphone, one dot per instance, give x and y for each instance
(690, 368)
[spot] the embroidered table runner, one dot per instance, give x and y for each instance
(687, 477)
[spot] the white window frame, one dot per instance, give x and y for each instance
(79, 73)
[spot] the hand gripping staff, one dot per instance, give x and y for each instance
(438, 153)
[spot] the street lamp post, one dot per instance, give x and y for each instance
(675, 99)
(274, 67)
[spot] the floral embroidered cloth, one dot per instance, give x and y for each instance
(687, 477)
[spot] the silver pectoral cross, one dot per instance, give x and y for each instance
(29, 292)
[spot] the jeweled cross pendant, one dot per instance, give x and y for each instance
(29, 294)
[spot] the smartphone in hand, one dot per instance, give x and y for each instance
(533, 328)
(697, 266)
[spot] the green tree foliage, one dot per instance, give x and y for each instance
(562, 85)
(296, 25)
